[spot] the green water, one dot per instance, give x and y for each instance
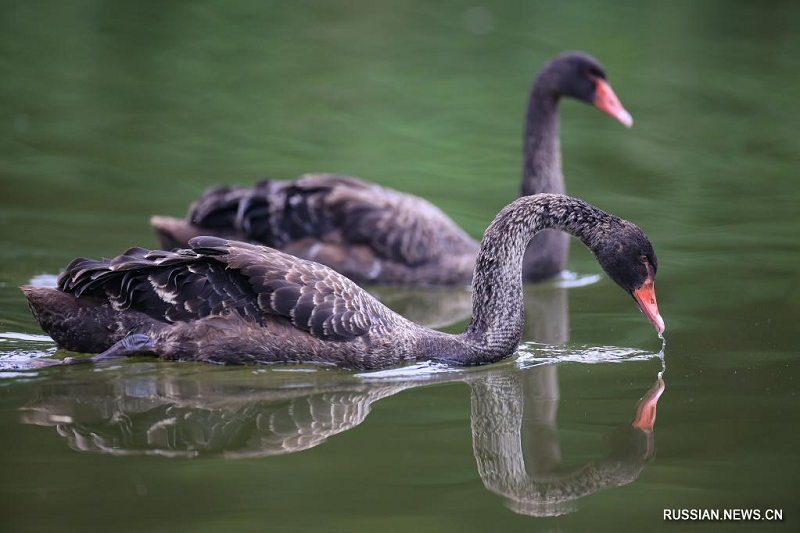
(111, 112)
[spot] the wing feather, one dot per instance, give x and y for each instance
(307, 293)
(218, 276)
(336, 209)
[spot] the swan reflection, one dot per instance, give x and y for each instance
(179, 415)
(515, 439)
(516, 445)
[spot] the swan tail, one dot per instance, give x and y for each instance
(76, 324)
(174, 232)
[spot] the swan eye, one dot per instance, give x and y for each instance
(594, 74)
(644, 259)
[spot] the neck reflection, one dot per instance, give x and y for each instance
(517, 449)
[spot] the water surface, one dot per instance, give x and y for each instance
(112, 112)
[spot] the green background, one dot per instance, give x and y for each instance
(113, 111)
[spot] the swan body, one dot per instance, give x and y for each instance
(373, 234)
(367, 232)
(225, 301)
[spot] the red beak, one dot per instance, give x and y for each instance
(645, 296)
(606, 101)
(645, 417)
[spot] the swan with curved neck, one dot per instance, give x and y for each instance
(231, 302)
(372, 234)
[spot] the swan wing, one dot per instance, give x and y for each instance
(398, 227)
(217, 277)
(175, 286)
(312, 296)
(334, 209)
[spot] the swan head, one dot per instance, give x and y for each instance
(582, 77)
(628, 258)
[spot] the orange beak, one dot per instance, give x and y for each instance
(645, 417)
(645, 297)
(606, 101)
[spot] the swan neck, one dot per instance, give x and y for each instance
(541, 167)
(497, 299)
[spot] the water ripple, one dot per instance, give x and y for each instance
(16, 352)
(44, 281)
(528, 355)
(569, 280)
(531, 354)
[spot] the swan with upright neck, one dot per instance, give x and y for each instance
(372, 234)
(230, 302)
(575, 75)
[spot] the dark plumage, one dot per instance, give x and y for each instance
(377, 235)
(230, 302)
(364, 231)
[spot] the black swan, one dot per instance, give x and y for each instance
(230, 302)
(377, 235)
